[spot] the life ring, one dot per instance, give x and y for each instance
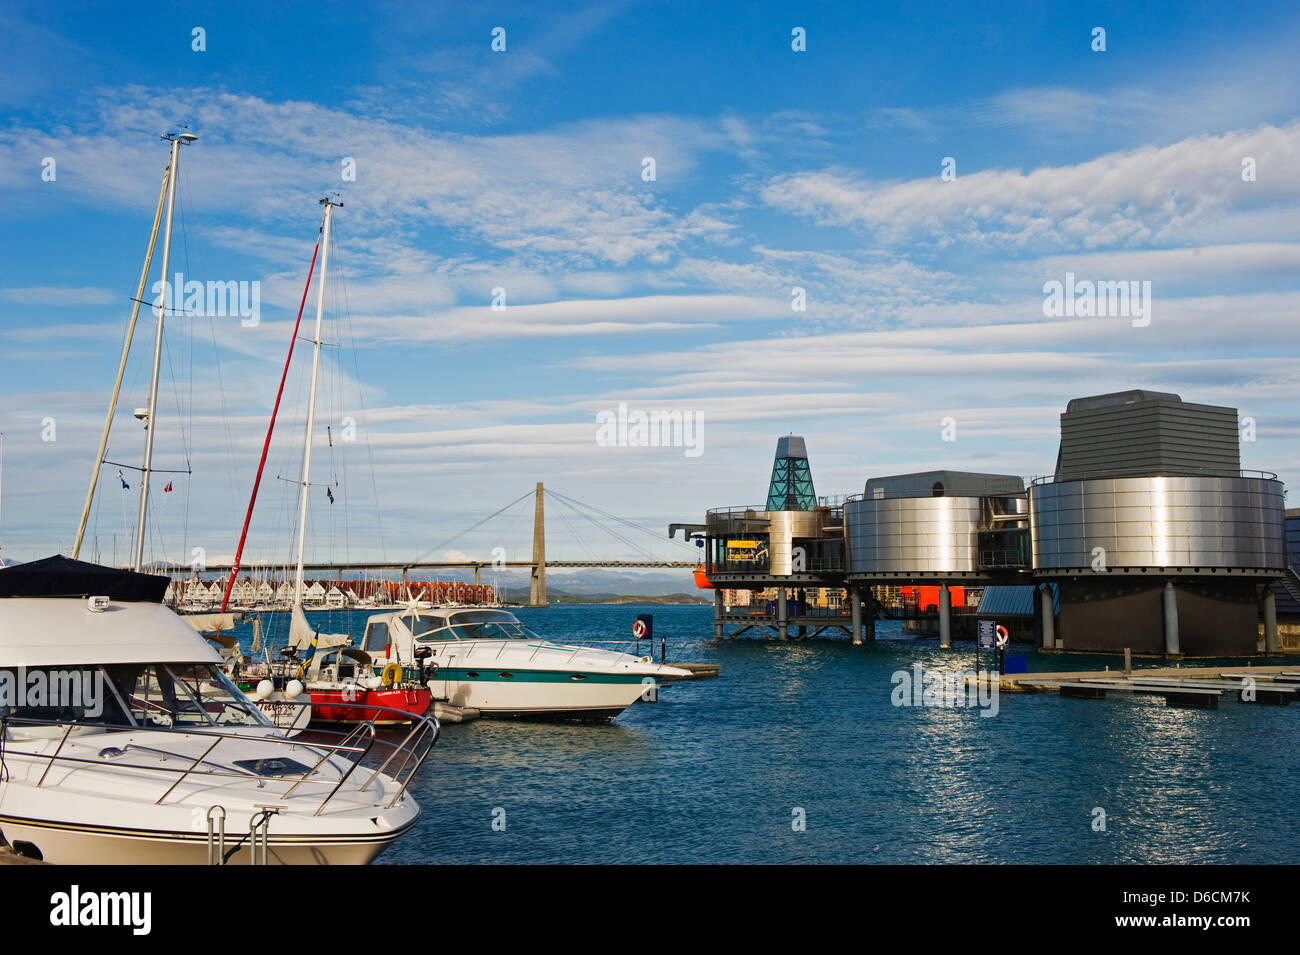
(392, 674)
(1003, 636)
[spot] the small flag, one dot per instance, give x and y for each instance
(329, 494)
(125, 486)
(168, 487)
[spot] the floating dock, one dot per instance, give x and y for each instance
(1179, 686)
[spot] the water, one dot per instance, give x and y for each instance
(714, 771)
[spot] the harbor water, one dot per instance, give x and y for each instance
(797, 754)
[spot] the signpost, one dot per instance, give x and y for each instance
(986, 634)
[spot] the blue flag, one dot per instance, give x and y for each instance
(125, 486)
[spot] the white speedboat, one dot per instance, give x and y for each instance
(123, 742)
(488, 660)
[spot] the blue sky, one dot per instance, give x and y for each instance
(523, 170)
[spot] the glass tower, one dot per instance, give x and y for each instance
(791, 488)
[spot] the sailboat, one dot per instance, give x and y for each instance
(337, 677)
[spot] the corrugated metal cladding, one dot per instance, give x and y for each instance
(1015, 601)
(1228, 522)
(945, 484)
(1141, 432)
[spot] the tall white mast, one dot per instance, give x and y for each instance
(140, 529)
(311, 403)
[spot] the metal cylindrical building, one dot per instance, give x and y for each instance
(1150, 523)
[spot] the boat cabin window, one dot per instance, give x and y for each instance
(64, 695)
(424, 624)
(376, 637)
(182, 695)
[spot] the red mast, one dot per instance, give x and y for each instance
(266, 445)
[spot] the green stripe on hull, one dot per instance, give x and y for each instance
(460, 675)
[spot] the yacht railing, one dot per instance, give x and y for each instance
(358, 743)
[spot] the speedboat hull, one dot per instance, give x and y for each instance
(67, 844)
(543, 694)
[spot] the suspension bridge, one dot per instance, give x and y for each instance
(536, 566)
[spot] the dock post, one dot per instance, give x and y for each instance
(1049, 618)
(855, 609)
(1171, 620)
(1270, 620)
(782, 614)
(717, 614)
(945, 617)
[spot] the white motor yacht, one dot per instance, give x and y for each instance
(488, 660)
(122, 741)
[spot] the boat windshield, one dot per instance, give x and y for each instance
(476, 625)
(182, 695)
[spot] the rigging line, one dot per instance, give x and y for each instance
(522, 497)
(187, 203)
(216, 359)
(361, 401)
(614, 517)
(266, 445)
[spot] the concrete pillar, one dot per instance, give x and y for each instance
(1171, 620)
(478, 569)
(717, 614)
(782, 614)
(1270, 620)
(537, 584)
(855, 609)
(945, 616)
(1048, 617)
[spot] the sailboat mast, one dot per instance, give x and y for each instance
(311, 402)
(121, 366)
(140, 529)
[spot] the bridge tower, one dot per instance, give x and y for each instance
(537, 585)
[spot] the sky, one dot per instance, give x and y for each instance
(646, 188)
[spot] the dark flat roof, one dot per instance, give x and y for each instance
(60, 576)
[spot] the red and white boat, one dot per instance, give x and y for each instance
(342, 683)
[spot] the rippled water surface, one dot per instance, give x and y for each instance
(714, 770)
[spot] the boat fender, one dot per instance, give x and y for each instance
(392, 674)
